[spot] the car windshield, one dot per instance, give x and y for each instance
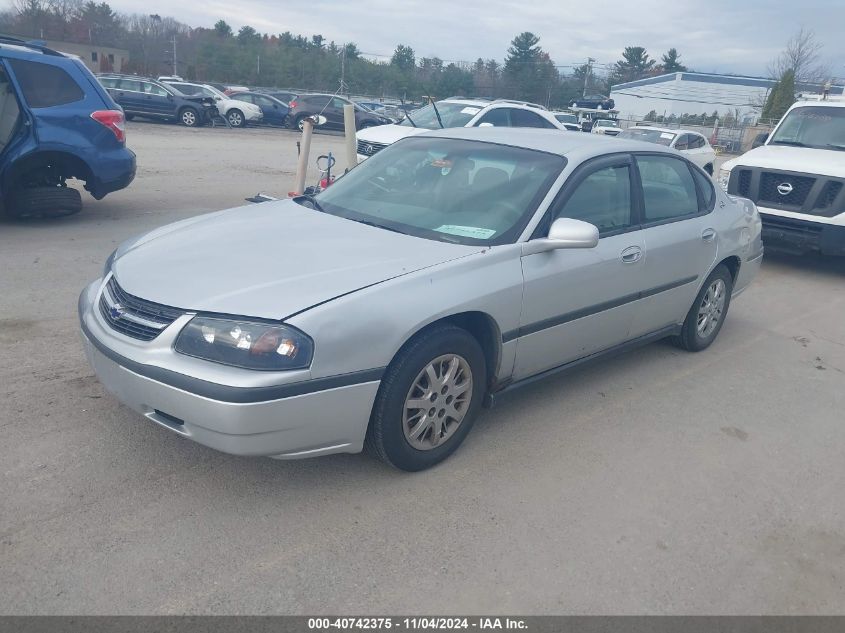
(651, 136)
(606, 123)
(566, 118)
(460, 191)
(812, 126)
(215, 92)
(452, 114)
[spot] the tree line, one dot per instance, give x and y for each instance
(289, 60)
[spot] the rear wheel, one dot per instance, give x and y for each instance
(129, 117)
(428, 399)
(708, 312)
(44, 202)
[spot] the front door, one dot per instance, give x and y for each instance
(580, 301)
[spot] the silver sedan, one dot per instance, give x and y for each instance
(386, 311)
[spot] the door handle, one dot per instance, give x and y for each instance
(708, 235)
(631, 255)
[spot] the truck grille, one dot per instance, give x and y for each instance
(368, 148)
(134, 317)
(800, 193)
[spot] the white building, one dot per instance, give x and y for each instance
(696, 93)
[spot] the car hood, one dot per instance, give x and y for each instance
(824, 162)
(387, 134)
(269, 260)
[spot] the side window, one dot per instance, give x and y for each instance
(132, 85)
(497, 116)
(696, 141)
(603, 198)
(108, 82)
(338, 103)
(205, 92)
(154, 90)
(668, 188)
(316, 103)
(708, 191)
(44, 85)
(242, 97)
(682, 142)
(526, 118)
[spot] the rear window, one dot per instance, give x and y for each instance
(44, 85)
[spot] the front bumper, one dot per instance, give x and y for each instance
(311, 422)
(802, 236)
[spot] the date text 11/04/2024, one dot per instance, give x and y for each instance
(417, 623)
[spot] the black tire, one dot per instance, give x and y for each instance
(709, 169)
(189, 117)
(236, 118)
(385, 436)
(297, 122)
(129, 117)
(44, 202)
(690, 338)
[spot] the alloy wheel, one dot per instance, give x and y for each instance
(711, 308)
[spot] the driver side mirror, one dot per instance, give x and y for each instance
(564, 233)
(759, 140)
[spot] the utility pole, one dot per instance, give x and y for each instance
(587, 74)
(343, 70)
(175, 72)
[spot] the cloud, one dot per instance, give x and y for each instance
(716, 36)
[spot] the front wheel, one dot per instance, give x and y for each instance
(236, 118)
(708, 312)
(428, 399)
(189, 117)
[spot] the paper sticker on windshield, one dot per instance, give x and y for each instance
(466, 231)
(469, 110)
(666, 135)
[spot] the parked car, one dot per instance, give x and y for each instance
(331, 107)
(148, 98)
(569, 120)
(594, 102)
(284, 96)
(274, 111)
(608, 127)
(237, 113)
(56, 124)
(457, 112)
(798, 178)
(692, 144)
(440, 273)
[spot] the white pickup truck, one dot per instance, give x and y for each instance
(797, 179)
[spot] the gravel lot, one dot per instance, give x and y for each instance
(657, 482)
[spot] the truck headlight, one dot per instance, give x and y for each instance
(724, 178)
(246, 344)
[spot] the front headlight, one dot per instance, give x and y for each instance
(724, 178)
(246, 344)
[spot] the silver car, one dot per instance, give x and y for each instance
(389, 309)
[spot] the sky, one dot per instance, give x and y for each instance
(731, 36)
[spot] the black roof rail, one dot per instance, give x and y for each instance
(8, 39)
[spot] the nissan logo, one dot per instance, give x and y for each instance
(785, 188)
(369, 149)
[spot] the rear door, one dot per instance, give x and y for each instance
(274, 112)
(131, 96)
(680, 239)
(334, 113)
(157, 99)
(580, 301)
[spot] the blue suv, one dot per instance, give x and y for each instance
(56, 123)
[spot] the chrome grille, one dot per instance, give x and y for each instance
(368, 148)
(134, 317)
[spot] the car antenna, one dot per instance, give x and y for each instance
(407, 115)
(436, 111)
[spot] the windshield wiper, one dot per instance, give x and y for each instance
(407, 114)
(309, 198)
(793, 143)
(378, 226)
(836, 146)
(437, 112)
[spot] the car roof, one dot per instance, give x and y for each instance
(579, 146)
